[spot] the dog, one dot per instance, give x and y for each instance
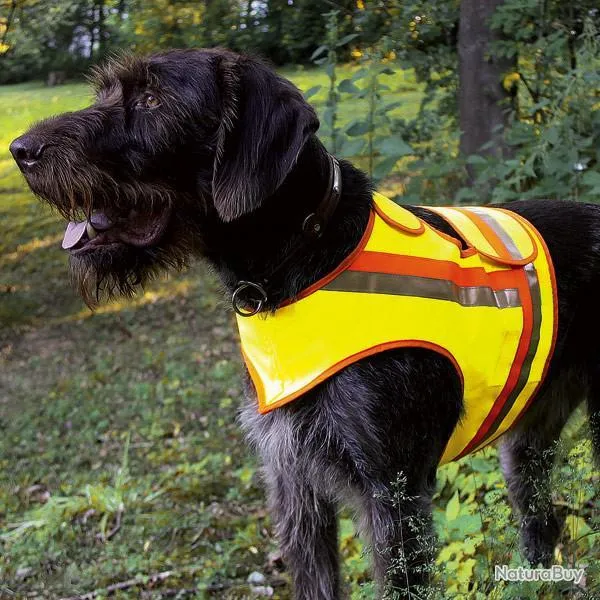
(211, 154)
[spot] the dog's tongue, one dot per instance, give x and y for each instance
(77, 231)
(73, 234)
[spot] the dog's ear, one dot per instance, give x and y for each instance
(265, 123)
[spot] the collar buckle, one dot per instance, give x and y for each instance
(313, 226)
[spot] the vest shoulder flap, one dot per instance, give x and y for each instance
(495, 233)
(490, 309)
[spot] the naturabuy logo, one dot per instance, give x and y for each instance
(554, 573)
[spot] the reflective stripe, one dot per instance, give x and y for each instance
(423, 287)
(482, 437)
(475, 226)
(499, 230)
(489, 233)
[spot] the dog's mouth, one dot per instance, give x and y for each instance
(101, 230)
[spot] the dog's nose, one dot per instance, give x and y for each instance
(26, 150)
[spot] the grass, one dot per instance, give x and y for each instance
(120, 457)
(125, 413)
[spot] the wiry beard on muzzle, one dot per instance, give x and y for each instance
(103, 275)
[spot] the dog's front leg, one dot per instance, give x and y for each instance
(306, 525)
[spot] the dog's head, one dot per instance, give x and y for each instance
(171, 142)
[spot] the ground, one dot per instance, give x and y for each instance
(120, 458)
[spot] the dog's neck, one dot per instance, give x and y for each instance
(253, 247)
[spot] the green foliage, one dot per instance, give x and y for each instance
(162, 24)
(308, 24)
(104, 502)
(44, 33)
(554, 134)
(68, 35)
(368, 135)
(62, 35)
(330, 62)
(382, 147)
(478, 531)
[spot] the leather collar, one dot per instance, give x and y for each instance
(250, 297)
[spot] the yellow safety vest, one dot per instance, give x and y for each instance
(491, 309)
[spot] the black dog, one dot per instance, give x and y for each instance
(207, 153)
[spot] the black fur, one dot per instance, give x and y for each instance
(230, 162)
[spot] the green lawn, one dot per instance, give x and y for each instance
(120, 457)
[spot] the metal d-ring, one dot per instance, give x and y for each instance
(239, 302)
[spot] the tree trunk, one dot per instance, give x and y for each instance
(249, 14)
(101, 29)
(484, 104)
(93, 33)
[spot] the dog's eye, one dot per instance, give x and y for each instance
(148, 101)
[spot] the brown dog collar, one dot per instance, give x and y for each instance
(253, 294)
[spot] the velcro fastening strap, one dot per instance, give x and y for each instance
(495, 233)
(396, 216)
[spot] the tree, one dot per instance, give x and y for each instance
(304, 28)
(9, 7)
(164, 24)
(484, 103)
(221, 23)
(66, 35)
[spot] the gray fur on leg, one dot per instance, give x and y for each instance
(306, 525)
